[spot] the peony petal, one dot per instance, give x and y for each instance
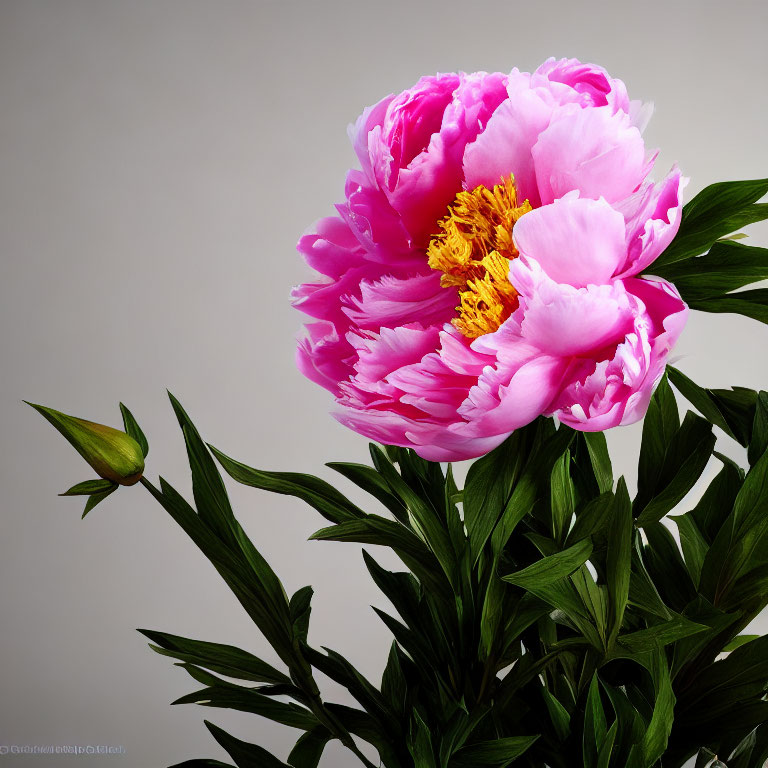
(594, 151)
(504, 147)
(565, 321)
(588, 85)
(331, 248)
(575, 240)
(391, 301)
(652, 217)
(324, 357)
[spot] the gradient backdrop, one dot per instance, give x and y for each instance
(158, 162)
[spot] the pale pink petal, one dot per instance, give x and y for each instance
(599, 153)
(504, 400)
(585, 84)
(565, 321)
(575, 240)
(504, 147)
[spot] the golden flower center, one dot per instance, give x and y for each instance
(473, 251)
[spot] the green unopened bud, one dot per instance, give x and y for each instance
(113, 454)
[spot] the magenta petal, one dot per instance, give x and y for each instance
(575, 240)
(391, 302)
(332, 248)
(598, 153)
(323, 356)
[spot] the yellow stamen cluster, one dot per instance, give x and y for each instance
(473, 252)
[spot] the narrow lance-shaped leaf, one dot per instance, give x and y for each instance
(717, 210)
(619, 558)
(550, 569)
(329, 502)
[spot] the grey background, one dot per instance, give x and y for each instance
(158, 162)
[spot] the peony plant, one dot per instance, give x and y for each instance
(503, 282)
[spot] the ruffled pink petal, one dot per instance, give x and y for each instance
(504, 147)
(449, 443)
(588, 85)
(324, 300)
(575, 240)
(324, 357)
(564, 321)
(430, 180)
(391, 301)
(375, 224)
(599, 153)
(652, 217)
(331, 248)
(617, 390)
(504, 399)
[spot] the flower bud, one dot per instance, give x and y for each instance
(113, 454)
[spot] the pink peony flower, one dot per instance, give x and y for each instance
(484, 266)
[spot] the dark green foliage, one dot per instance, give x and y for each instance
(711, 282)
(545, 618)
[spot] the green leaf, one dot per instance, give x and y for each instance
(222, 694)
(208, 488)
(752, 304)
(498, 753)
(660, 425)
(244, 754)
(426, 521)
(601, 460)
(420, 743)
(394, 683)
(371, 481)
(558, 714)
(551, 569)
(309, 748)
(532, 483)
(727, 266)
(591, 518)
(561, 495)
(300, 609)
(619, 559)
(685, 459)
(731, 410)
(90, 487)
(738, 641)
(655, 740)
(223, 659)
(331, 504)
(657, 636)
(716, 211)
(134, 430)
(489, 484)
(740, 546)
(758, 443)
(595, 725)
(97, 498)
(694, 545)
